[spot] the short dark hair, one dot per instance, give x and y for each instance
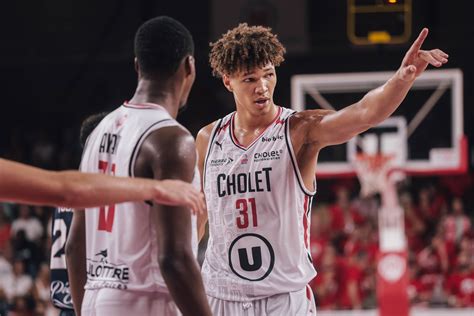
(88, 125)
(160, 45)
(244, 48)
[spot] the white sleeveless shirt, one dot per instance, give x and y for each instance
(121, 239)
(259, 214)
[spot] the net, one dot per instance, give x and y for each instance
(373, 171)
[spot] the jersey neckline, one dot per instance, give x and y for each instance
(236, 142)
(144, 105)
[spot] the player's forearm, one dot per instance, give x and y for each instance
(87, 190)
(380, 103)
(27, 184)
(183, 279)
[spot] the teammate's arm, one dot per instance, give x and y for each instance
(335, 127)
(170, 153)
(76, 259)
(27, 184)
(202, 142)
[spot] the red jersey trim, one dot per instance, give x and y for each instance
(236, 142)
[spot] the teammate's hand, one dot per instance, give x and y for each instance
(416, 60)
(176, 192)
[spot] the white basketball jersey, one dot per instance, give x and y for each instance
(259, 214)
(121, 239)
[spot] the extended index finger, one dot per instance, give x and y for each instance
(419, 41)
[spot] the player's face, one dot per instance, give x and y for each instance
(253, 90)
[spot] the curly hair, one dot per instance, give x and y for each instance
(244, 48)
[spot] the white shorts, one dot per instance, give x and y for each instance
(299, 303)
(107, 302)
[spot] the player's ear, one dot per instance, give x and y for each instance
(189, 66)
(226, 81)
(137, 67)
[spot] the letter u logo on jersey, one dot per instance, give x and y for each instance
(251, 257)
(256, 256)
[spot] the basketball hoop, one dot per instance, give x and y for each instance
(373, 172)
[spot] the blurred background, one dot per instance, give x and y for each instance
(61, 61)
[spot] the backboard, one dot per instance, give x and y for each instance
(425, 133)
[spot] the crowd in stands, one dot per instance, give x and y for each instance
(440, 247)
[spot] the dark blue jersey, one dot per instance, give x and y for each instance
(60, 292)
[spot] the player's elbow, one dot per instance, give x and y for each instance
(369, 116)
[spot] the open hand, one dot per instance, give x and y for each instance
(180, 193)
(416, 60)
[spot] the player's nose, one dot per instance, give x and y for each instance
(261, 87)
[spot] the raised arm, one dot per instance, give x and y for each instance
(335, 127)
(26, 184)
(202, 142)
(170, 153)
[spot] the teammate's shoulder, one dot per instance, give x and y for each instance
(173, 133)
(168, 144)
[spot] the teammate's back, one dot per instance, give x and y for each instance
(141, 256)
(122, 250)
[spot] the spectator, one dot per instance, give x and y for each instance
(351, 294)
(414, 225)
(18, 283)
(430, 204)
(460, 284)
(22, 306)
(344, 216)
(456, 224)
(326, 286)
(31, 225)
(27, 251)
(318, 241)
(41, 291)
(418, 293)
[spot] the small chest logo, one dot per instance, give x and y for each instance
(272, 138)
(221, 162)
(268, 155)
(218, 144)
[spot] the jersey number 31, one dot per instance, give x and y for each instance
(242, 206)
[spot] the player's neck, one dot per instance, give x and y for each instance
(249, 121)
(158, 93)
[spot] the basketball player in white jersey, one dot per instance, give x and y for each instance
(258, 171)
(30, 185)
(140, 258)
